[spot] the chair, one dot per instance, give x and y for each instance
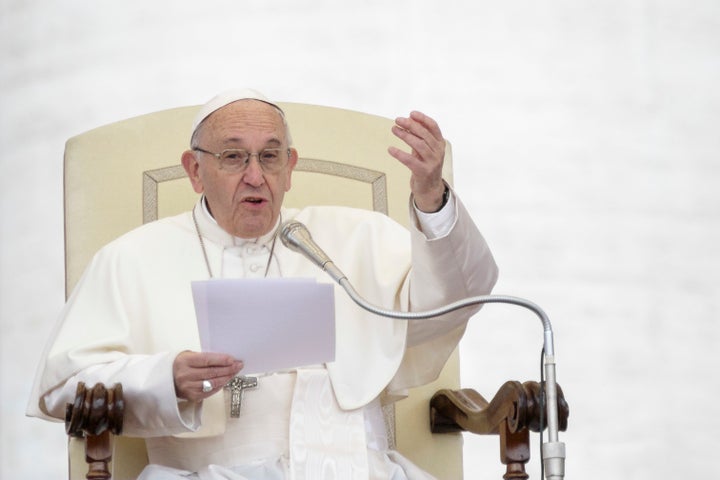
(128, 173)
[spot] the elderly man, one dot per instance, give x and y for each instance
(131, 319)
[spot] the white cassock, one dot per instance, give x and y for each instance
(132, 313)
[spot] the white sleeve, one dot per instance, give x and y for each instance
(444, 269)
(437, 224)
(151, 407)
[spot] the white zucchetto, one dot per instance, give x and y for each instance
(226, 98)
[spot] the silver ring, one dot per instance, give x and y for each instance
(206, 386)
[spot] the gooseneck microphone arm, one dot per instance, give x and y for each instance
(296, 237)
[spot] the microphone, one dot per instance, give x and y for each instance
(296, 237)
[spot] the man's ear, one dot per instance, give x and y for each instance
(292, 162)
(192, 167)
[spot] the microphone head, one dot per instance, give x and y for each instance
(296, 237)
(293, 234)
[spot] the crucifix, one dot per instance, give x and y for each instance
(236, 387)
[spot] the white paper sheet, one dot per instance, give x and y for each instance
(270, 324)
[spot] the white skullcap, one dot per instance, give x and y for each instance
(226, 98)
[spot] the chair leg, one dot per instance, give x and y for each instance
(95, 415)
(98, 453)
(514, 452)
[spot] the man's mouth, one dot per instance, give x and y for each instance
(254, 200)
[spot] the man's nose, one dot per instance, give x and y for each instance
(253, 174)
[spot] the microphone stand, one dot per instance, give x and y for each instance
(297, 238)
(553, 451)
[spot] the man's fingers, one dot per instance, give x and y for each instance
(195, 365)
(421, 126)
(417, 137)
(191, 369)
(207, 359)
(418, 144)
(429, 123)
(422, 134)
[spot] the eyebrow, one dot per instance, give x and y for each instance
(272, 142)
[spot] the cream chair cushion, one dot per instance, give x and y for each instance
(127, 173)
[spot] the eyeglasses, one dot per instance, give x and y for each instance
(236, 160)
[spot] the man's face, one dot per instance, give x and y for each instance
(245, 204)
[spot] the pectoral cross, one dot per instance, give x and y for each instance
(236, 387)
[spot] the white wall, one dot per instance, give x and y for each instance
(586, 143)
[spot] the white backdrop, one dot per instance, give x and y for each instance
(587, 149)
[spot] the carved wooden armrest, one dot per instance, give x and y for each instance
(94, 415)
(512, 413)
